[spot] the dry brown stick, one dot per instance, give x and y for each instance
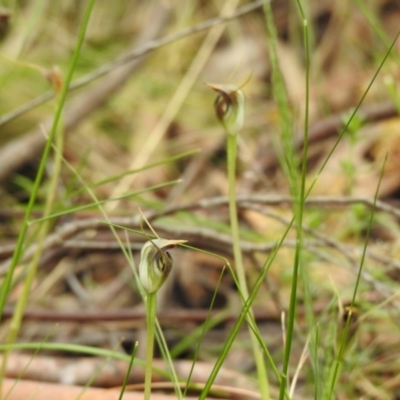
(219, 241)
(109, 372)
(174, 315)
(266, 199)
(324, 201)
(19, 151)
(201, 237)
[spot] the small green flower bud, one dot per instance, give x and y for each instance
(229, 107)
(156, 263)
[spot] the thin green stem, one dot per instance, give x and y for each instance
(151, 306)
(308, 301)
(128, 372)
(233, 216)
(290, 166)
(298, 209)
(162, 343)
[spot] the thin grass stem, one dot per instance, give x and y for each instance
(151, 305)
(233, 217)
(289, 165)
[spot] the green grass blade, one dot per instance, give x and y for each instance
(99, 203)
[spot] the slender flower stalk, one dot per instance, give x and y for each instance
(229, 108)
(154, 268)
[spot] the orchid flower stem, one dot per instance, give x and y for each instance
(233, 216)
(154, 268)
(229, 108)
(151, 306)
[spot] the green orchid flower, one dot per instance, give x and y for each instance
(229, 107)
(156, 263)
